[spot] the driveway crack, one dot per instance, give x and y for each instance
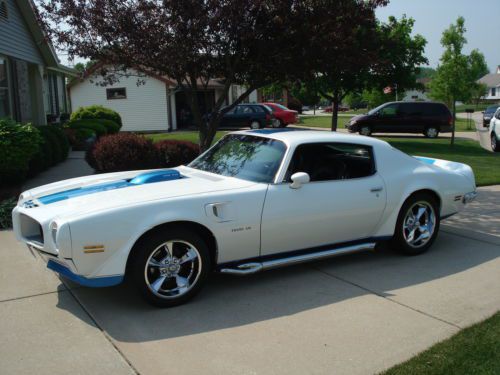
(108, 338)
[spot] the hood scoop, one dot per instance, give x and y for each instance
(144, 178)
(156, 176)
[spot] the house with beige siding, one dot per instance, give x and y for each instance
(147, 102)
(32, 80)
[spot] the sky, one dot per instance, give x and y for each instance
(482, 21)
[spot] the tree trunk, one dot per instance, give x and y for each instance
(335, 112)
(453, 126)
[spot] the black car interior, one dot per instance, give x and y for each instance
(332, 161)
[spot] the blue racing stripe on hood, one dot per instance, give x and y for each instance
(144, 178)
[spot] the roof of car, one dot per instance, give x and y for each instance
(294, 136)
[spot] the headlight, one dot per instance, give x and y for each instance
(53, 231)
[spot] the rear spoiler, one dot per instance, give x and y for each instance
(451, 166)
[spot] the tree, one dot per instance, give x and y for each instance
(348, 56)
(189, 41)
(456, 76)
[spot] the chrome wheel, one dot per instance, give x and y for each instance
(172, 269)
(419, 224)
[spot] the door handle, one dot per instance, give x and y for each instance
(376, 189)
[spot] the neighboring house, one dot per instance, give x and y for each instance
(145, 101)
(418, 94)
(32, 81)
(492, 82)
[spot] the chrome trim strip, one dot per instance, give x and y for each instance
(254, 267)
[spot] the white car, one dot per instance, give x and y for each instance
(256, 200)
(494, 130)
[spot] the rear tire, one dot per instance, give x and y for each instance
(494, 143)
(282, 124)
(431, 132)
(170, 266)
(417, 225)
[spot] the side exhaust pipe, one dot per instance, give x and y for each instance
(254, 267)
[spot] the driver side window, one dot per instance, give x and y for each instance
(389, 110)
(332, 161)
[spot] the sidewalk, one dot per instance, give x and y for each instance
(74, 166)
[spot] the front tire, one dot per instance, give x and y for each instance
(417, 225)
(494, 143)
(170, 266)
(365, 130)
(431, 132)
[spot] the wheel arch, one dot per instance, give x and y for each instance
(429, 191)
(205, 233)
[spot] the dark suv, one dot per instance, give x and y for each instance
(404, 117)
(254, 116)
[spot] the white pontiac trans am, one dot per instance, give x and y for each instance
(256, 200)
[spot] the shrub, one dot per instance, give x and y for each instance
(63, 118)
(94, 125)
(172, 153)
(53, 142)
(6, 207)
(111, 126)
(122, 152)
(54, 148)
(96, 112)
(18, 143)
(43, 159)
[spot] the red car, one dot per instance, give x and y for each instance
(284, 115)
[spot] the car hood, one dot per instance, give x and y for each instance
(113, 190)
(359, 117)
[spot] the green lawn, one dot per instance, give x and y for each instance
(486, 165)
(191, 136)
(474, 350)
(325, 122)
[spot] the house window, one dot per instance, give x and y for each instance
(493, 91)
(118, 93)
(4, 89)
(3, 10)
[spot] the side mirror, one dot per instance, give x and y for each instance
(299, 179)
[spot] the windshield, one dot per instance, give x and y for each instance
(491, 110)
(375, 110)
(243, 156)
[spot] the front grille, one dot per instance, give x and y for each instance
(31, 230)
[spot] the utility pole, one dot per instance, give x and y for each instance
(396, 87)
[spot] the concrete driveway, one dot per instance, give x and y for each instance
(358, 314)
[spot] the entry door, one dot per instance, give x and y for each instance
(326, 210)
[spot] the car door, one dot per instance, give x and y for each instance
(245, 114)
(343, 202)
(229, 117)
(387, 119)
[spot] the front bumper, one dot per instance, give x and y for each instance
(93, 282)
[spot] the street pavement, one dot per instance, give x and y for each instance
(357, 314)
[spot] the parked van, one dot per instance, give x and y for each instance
(428, 118)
